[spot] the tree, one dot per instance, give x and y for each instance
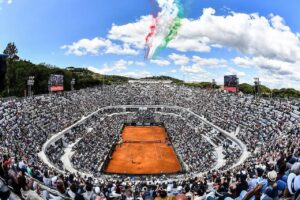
(246, 88)
(265, 91)
(11, 50)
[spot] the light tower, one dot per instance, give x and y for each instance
(30, 83)
(213, 83)
(72, 83)
(256, 87)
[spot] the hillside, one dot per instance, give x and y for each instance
(18, 72)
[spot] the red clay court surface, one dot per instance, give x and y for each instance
(143, 151)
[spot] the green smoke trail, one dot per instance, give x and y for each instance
(173, 29)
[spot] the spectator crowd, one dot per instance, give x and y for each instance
(270, 128)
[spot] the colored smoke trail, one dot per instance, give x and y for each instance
(176, 24)
(150, 35)
(164, 27)
(152, 28)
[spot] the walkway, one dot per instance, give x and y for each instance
(68, 151)
(66, 160)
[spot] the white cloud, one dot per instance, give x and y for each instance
(200, 77)
(185, 43)
(121, 65)
(179, 59)
(132, 33)
(118, 66)
(276, 73)
(191, 69)
(242, 62)
(233, 71)
(250, 34)
(140, 74)
(6, 1)
(278, 23)
(120, 50)
(277, 81)
(103, 70)
(160, 62)
(273, 73)
(209, 62)
(97, 46)
(199, 63)
(287, 70)
(265, 43)
(86, 46)
(140, 63)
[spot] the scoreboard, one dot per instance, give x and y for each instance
(56, 82)
(231, 83)
(231, 80)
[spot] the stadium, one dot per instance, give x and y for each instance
(147, 132)
(149, 100)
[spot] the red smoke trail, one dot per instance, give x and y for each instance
(152, 28)
(150, 34)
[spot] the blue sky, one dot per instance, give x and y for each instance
(248, 38)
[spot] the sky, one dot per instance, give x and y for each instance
(249, 38)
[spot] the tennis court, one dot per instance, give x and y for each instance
(144, 151)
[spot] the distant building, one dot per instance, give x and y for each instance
(150, 81)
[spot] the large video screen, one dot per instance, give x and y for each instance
(56, 82)
(231, 81)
